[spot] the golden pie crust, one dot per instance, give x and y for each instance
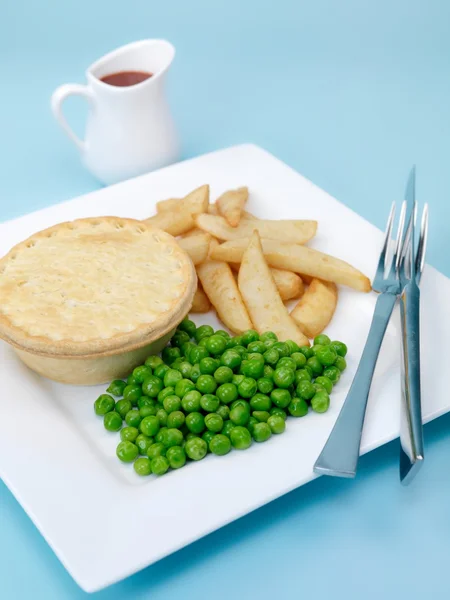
(93, 287)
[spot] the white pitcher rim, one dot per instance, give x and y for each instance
(120, 50)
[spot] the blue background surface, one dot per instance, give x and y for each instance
(349, 93)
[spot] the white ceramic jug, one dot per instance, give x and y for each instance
(129, 130)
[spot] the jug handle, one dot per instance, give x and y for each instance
(58, 97)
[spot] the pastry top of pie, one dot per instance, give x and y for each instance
(94, 286)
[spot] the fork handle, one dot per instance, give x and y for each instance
(411, 431)
(340, 454)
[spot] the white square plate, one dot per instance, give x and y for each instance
(60, 463)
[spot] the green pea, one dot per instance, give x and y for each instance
(133, 418)
(292, 346)
(249, 336)
(122, 407)
(223, 375)
(340, 363)
(299, 359)
(220, 444)
(333, 373)
(188, 326)
(320, 402)
(209, 403)
(269, 344)
(127, 451)
(168, 391)
(315, 348)
(142, 466)
(180, 338)
(172, 403)
(325, 382)
(152, 386)
(132, 393)
(286, 362)
(240, 402)
(186, 349)
(340, 347)
(146, 411)
(253, 368)
(116, 387)
(306, 351)
(276, 424)
(183, 386)
(308, 369)
(231, 359)
(260, 402)
(318, 388)
(233, 341)
(226, 429)
(214, 422)
(203, 331)
(261, 416)
(153, 361)
(239, 415)
(195, 422)
(160, 371)
(131, 380)
(156, 449)
(159, 437)
(265, 385)
(141, 373)
(237, 379)
(162, 415)
(176, 457)
(172, 437)
(268, 335)
(216, 344)
(196, 448)
(195, 373)
(208, 365)
(322, 339)
(283, 348)
(268, 372)
(170, 354)
(261, 432)
(227, 392)
(149, 426)
(326, 355)
(247, 388)
(104, 404)
(177, 362)
(185, 369)
(206, 384)
(112, 421)
(208, 436)
(143, 442)
(175, 419)
(241, 350)
(316, 366)
(283, 377)
(251, 424)
(280, 397)
(280, 412)
(305, 390)
(202, 343)
(240, 438)
(271, 356)
(223, 411)
(223, 333)
(159, 465)
(298, 407)
(302, 375)
(257, 346)
(172, 377)
(191, 401)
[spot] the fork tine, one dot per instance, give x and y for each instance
(384, 254)
(400, 236)
(421, 250)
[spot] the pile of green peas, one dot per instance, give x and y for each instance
(210, 392)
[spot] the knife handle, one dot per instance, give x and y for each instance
(340, 454)
(411, 430)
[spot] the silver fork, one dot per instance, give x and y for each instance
(411, 430)
(340, 454)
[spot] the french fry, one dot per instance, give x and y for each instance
(298, 259)
(200, 304)
(289, 285)
(231, 203)
(316, 308)
(197, 246)
(221, 288)
(195, 202)
(192, 232)
(261, 297)
(175, 223)
(298, 232)
(212, 209)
